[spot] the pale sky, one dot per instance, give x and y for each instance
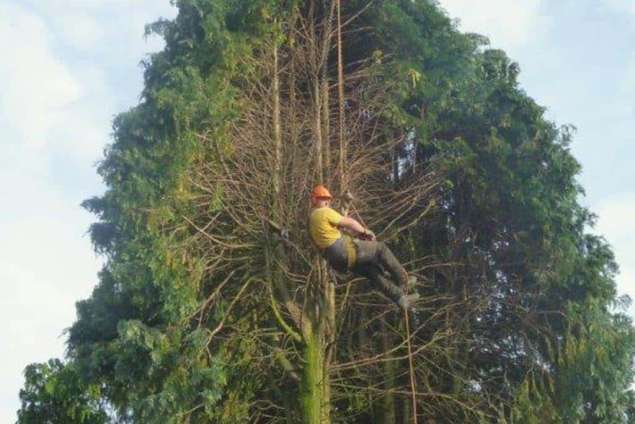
(70, 65)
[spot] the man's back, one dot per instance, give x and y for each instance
(323, 224)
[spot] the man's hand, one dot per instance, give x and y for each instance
(355, 227)
(368, 235)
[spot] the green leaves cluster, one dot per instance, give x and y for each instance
(54, 393)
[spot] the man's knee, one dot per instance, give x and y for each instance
(382, 248)
(367, 270)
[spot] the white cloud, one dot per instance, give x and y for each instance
(31, 314)
(69, 66)
(53, 102)
(622, 5)
(46, 265)
(85, 23)
(80, 30)
(36, 86)
(506, 23)
(628, 82)
(627, 92)
(617, 225)
(88, 128)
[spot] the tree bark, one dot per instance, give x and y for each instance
(315, 385)
(388, 402)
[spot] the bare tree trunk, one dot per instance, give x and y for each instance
(388, 402)
(319, 149)
(317, 104)
(315, 388)
(340, 86)
(326, 122)
(277, 130)
(317, 335)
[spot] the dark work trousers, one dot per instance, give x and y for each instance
(372, 259)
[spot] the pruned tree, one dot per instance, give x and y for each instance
(260, 174)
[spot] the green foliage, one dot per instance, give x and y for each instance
(510, 216)
(54, 393)
(129, 335)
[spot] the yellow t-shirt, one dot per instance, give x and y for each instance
(323, 224)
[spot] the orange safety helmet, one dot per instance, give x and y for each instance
(321, 192)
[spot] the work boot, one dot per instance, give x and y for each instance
(412, 280)
(407, 301)
(390, 289)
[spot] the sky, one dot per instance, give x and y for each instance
(69, 66)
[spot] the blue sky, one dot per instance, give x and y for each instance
(70, 65)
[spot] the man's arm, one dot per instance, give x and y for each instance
(351, 224)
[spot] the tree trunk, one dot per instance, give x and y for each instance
(341, 100)
(277, 130)
(315, 382)
(388, 402)
(326, 123)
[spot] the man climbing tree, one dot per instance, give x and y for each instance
(364, 255)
